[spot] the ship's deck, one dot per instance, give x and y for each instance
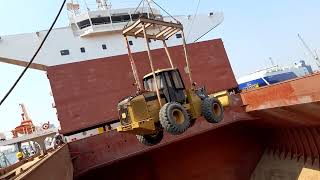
(55, 164)
(19, 170)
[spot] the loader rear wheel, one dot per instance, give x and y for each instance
(174, 118)
(212, 110)
(151, 140)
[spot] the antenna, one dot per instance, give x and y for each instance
(271, 60)
(314, 55)
(315, 52)
(85, 3)
(102, 4)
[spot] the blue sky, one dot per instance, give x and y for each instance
(252, 32)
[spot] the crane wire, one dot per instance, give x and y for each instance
(150, 7)
(164, 10)
(134, 12)
(206, 32)
(138, 6)
(142, 8)
(194, 17)
(34, 56)
(152, 13)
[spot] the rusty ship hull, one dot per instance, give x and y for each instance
(269, 132)
(86, 95)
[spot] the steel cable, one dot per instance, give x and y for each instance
(34, 56)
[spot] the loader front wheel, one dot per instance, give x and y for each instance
(151, 140)
(212, 110)
(174, 118)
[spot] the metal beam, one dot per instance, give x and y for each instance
(128, 29)
(163, 31)
(167, 36)
(151, 65)
(133, 66)
(187, 60)
(149, 36)
(141, 29)
(136, 28)
(167, 52)
(162, 23)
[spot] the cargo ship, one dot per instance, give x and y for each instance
(269, 132)
(94, 36)
(274, 74)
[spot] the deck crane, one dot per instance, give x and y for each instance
(26, 126)
(24, 114)
(314, 55)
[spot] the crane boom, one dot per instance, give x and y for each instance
(314, 55)
(25, 115)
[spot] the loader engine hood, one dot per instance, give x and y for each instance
(123, 111)
(124, 102)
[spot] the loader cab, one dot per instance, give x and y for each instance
(169, 82)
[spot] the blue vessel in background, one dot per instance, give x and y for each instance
(273, 75)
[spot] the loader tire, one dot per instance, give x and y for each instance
(151, 140)
(174, 118)
(212, 110)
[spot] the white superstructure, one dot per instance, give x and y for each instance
(95, 34)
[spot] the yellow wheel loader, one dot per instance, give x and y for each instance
(163, 103)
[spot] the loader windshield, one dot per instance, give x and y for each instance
(149, 84)
(170, 78)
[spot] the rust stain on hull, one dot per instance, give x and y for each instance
(290, 103)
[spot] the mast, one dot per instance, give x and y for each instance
(102, 4)
(314, 56)
(25, 115)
